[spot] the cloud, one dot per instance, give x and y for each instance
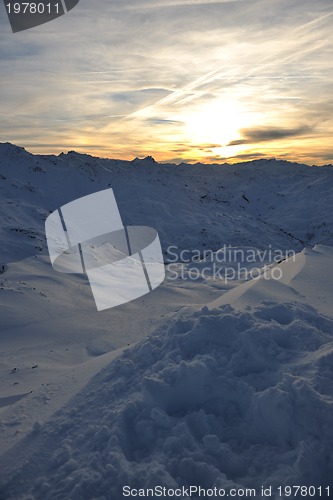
(163, 121)
(248, 156)
(267, 134)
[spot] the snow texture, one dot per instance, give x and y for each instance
(201, 382)
(216, 398)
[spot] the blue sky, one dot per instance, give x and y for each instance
(181, 80)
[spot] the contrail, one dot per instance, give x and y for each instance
(179, 3)
(284, 55)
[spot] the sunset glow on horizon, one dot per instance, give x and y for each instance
(183, 81)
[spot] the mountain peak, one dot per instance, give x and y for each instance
(147, 159)
(9, 149)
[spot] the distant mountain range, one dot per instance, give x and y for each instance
(263, 202)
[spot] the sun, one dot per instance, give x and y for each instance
(216, 124)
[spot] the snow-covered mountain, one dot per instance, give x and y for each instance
(203, 382)
(192, 206)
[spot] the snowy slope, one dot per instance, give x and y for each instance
(203, 381)
(216, 398)
(192, 206)
(50, 330)
(307, 277)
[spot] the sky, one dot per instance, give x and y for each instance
(181, 80)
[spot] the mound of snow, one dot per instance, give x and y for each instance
(217, 398)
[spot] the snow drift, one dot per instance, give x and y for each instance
(217, 398)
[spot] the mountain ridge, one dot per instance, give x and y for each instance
(150, 159)
(280, 204)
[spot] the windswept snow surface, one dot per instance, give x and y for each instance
(203, 382)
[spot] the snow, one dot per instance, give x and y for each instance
(203, 382)
(307, 277)
(215, 398)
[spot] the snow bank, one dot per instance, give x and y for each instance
(217, 398)
(306, 276)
